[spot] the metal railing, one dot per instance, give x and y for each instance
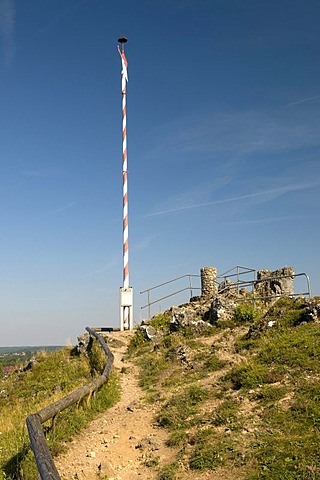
(45, 464)
(252, 284)
(238, 272)
(235, 274)
(190, 287)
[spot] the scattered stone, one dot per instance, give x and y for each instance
(188, 316)
(147, 443)
(29, 365)
(151, 333)
(271, 323)
(83, 343)
(221, 310)
(133, 406)
(312, 311)
(184, 354)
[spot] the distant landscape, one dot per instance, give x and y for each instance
(13, 356)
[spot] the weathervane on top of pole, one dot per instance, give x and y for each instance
(126, 292)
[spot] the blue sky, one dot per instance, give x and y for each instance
(223, 113)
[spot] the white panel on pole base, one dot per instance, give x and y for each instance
(126, 308)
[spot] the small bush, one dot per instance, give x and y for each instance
(177, 438)
(151, 366)
(161, 321)
(269, 393)
(225, 414)
(244, 313)
(97, 358)
(212, 364)
(250, 375)
(136, 342)
(174, 414)
(168, 472)
(205, 455)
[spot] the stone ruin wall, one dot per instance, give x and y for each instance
(276, 283)
(217, 302)
(268, 284)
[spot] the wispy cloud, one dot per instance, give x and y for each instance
(235, 135)
(115, 261)
(200, 195)
(303, 100)
(144, 242)
(267, 220)
(62, 209)
(7, 25)
(262, 195)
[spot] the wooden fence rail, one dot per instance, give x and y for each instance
(45, 464)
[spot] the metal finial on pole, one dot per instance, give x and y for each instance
(126, 316)
(122, 40)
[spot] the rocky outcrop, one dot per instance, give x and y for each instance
(221, 310)
(188, 316)
(151, 333)
(83, 343)
(217, 303)
(312, 311)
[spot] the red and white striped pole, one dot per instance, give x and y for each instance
(126, 291)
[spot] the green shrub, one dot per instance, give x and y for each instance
(175, 412)
(212, 364)
(244, 313)
(97, 358)
(151, 366)
(249, 375)
(161, 321)
(136, 342)
(270, 393)
(168, 472)
(177, 438)
(225, 414)
(205, 454)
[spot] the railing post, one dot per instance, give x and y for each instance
(190, 285)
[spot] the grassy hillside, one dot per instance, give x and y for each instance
(239, 402)
(52, 376)
(242, 402)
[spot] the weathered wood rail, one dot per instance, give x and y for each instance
(45, 464)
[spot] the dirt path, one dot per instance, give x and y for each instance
(119, 443)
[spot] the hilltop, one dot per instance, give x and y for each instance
(235, 400)
(232, 396)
